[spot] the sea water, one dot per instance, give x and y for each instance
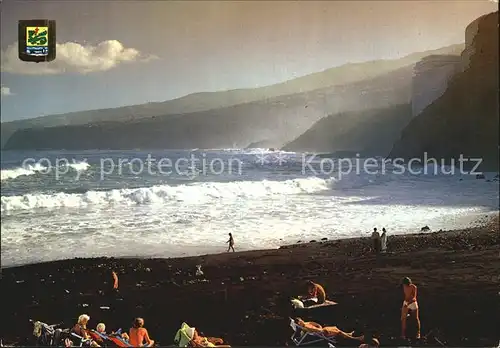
(62, 204)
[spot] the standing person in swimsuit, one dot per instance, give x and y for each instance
(231, 243)
(410, 305)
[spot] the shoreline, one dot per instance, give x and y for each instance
(473, 220)
(243, 296)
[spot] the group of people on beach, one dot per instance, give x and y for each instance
(138, 335)
(316, 296)
(379, 241)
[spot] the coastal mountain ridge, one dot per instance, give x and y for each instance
(275, 121)
(206, 101)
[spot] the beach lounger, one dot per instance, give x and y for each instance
(102, 338)
(115, 339)
(302, 337)
(119, 341)
(80, 341)
(96, 336)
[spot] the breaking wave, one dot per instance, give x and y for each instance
(7, 174)
(195, 193)
(13, 173)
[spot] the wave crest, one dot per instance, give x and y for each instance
(7, 174)
(197, 192)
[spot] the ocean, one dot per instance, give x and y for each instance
(65, 204)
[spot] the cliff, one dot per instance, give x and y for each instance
(464, 120)
(432, 75)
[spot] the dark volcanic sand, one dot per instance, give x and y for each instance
(244, 298)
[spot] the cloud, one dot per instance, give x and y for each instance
(5, 91)
(72, 57)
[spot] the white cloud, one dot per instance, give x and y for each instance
(5, 91)
(72, 57)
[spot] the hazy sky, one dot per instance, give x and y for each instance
(114, 53)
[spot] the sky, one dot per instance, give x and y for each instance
(116, 53)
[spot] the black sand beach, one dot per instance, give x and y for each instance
(243, 297)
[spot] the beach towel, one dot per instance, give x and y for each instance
(296, 303)
(300, 305)
(184, 335)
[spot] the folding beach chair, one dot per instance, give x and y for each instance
(81, 342)
(96, 336)
(119, 341)
(102, 338)
(302, 337)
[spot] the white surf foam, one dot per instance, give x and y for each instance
(79, 166)
(196, 218)
(7, 174)
(197, 192)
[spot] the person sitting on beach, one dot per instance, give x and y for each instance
(376, 240)
(315, 294)
(200, 341)
(410, 306)
(371, 343)
(328, 331)
(231, 242)
(383, 240)
(138, 335)
(81, 330)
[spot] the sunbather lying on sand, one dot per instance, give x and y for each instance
(200, 341)
(329, 331)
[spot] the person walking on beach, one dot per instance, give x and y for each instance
(376, 240)
(410, 306)
(383, 241)
(115, 281)
(231, 243)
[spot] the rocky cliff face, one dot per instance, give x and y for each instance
(431, 77)
(464, 120)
